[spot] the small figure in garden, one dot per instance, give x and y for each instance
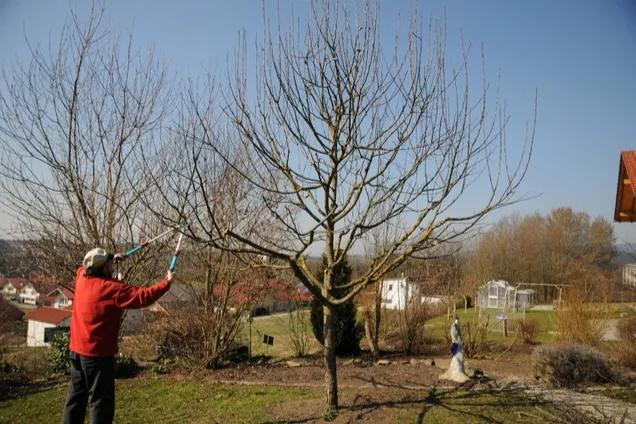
(455, 371)
(97, 310)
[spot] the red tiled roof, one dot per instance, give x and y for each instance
(49, 315)
(64, 291)
(19, 283)
(16, 282)
(46, 298)
(243, 292)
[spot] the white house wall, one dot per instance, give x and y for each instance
(35, 332)
(29, 295)
(62, 301)
(396, 293)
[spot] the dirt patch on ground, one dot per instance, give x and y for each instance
(399, 372)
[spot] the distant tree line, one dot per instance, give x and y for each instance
(562, 247)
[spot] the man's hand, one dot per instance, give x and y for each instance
(117, 257)
(170, 276)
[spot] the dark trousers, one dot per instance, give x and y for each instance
(92, 381)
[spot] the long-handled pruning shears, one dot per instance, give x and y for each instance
(173, 262)
(147, 242)
(175, 255)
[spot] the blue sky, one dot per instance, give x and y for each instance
(579, 55)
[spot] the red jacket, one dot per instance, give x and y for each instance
(97, 309)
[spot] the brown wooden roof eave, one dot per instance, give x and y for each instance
(625, 208)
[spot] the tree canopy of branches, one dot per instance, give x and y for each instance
(71, 119)
(564, 247)
(340, 136)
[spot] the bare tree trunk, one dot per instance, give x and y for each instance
(372, 321)
(368, 333)
(378, 316)
(331, 380)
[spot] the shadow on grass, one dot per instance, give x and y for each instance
(487, 405)
(13, 388)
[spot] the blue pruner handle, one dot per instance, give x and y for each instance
(173, 263)
(134, 250)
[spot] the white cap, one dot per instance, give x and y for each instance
(96, 258)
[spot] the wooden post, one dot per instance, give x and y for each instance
(505, 327)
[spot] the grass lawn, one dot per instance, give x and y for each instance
(169, 399)
(545, 323)
(622, 310)
(624, 394)
(277, 326)
(166, 400)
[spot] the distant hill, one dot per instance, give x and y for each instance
(8, 256)
(625, 254)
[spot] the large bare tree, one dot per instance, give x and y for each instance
(335, 136)
(71, 118)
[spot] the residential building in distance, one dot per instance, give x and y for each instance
(44, 323)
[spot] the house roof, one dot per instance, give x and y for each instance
(16, 282)
(179, 293)
(49, 315)
(625, 207)
(63, 291)
(47, 298)
(244, 292)
(397, 280)
(500, 283)
(20, 283)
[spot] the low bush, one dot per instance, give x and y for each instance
(33, 361)
(626, 350)
(411, 328)
(474, 334)
(526, 329)
(573, 365)
(197, 337)
(159, 368)
(59, 354)
(125, 367)
(581, 322)
(404, 330)
(299, 332)
(11, 377)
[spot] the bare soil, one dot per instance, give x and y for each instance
(400, 372)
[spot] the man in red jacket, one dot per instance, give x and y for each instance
(97, 310)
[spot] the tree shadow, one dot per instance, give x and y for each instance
(483, 404)
(14, 389)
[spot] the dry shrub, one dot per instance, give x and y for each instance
(580, 321)
(411, 322)
(31, 360)
(300, 335)
(573, 365)
(474, 334)
(141, 347)
(197, 337)
(626, 350)
(527, 330)
(404, 329)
